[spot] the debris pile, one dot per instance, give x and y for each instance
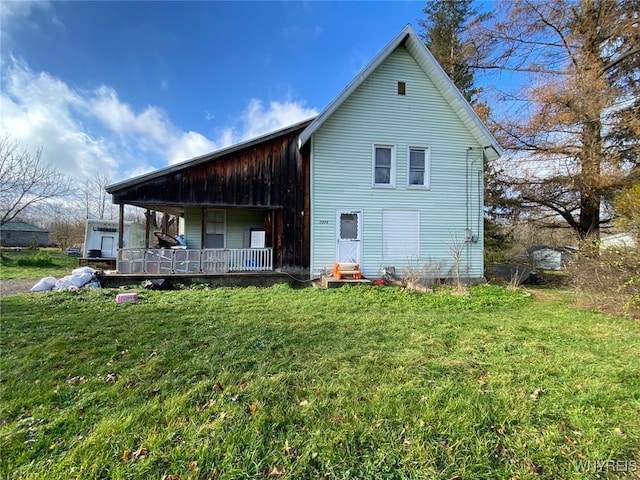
(83, 277)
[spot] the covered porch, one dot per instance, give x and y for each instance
(242, 209)
(212, 240)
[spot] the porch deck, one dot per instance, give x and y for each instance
(111, 279)
(183, 261)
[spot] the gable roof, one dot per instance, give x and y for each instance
(178, 167)
(414, 45)
(18, 226)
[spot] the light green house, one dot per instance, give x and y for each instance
(390, 174)
(397, 170)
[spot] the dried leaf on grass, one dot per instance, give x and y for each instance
(277, 472)
(210, 403)
(536, 393)
(141, 452)
(218, 387)
(76, 380)
(133, 456)
(155, 391)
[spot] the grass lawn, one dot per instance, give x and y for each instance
(31, 264)
(361, 382)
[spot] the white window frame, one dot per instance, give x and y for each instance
(392, 179)
(427, 167)
(224, 225)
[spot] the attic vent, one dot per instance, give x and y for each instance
(402, 88)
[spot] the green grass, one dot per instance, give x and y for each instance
(31, 264)
(359, 382)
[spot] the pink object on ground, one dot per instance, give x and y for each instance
(126, 297)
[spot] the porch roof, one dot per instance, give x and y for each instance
(178, 209)
(208, 157)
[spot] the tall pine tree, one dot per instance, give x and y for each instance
(443, 28)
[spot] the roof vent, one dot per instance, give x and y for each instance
(402, 88)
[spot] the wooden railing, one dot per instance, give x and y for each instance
(181, 260)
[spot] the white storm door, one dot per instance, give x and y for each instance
(349, 236)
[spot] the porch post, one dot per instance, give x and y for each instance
(147, 228)
(273, 239)
(203, 227)
(121, 227)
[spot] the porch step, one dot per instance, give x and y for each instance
(340, 270)
(331, 282)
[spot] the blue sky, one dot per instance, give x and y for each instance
(127, 87)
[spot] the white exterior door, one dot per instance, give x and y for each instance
(349, 236)
(106, 247)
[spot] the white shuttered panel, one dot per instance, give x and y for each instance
(401, 235)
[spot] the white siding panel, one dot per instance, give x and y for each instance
(401, 235)
(341, 169)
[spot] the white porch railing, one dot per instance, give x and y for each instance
(181, 260)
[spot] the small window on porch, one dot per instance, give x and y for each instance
(215, 229)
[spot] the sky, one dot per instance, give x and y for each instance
(128, 87)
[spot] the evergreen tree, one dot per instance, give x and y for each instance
(443, 33)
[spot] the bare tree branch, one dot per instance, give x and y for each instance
(26, 181)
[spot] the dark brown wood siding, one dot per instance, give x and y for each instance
(270, 175)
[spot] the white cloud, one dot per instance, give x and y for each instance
(16, 15)
(256, 120)
(190, 144)
(89, 131)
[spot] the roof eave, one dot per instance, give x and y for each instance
(204, 158)
(354, 84)
(478, 129)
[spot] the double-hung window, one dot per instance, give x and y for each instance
(418, 167)
(214, 229)
(384, 165)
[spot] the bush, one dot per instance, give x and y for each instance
(608, 278)
(40, 259)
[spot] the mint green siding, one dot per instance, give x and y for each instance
(193, 227)
(237, 222)
(341, 173)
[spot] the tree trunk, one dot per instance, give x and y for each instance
(590, 198)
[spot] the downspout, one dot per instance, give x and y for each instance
(467, 231)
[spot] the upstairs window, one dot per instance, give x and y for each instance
(418, 168)
(384, 165)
